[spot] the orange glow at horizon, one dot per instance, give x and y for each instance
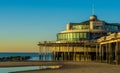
(18, 46)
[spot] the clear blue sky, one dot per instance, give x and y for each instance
(23, 23)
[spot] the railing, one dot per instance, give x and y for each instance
(118, 35)
(101, 39)
(109, 37)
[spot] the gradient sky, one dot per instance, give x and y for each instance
(23, 23)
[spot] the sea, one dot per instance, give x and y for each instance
(34, 56)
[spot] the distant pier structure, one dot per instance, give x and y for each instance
(85, 41)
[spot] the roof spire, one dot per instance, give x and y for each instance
(93, 10)
(93, 7)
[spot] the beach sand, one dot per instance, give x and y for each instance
(74, 67)
(27, 63)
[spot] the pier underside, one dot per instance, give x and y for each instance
(105, 52)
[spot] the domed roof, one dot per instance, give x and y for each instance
(93, 17)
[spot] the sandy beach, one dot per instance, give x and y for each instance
(28, 63)
(69, 67)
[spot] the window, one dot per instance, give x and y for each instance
(111, 27)
(97, 27)
(80, 36)
(80, 27)
(85, 35)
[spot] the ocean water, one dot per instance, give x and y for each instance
(16, 69)
(34, 56)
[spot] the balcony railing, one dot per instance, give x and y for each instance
(109, 37)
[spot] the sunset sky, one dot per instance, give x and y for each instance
(23, 23)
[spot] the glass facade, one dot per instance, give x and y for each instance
(86, 31)
(97, 27)
(72, 36)
(80, 27)
(111, 27)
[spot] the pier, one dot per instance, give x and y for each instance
(70, 51)
(91, 40)
(109, 48)
(105, 50)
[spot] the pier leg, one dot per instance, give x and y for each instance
(110, 55)
(117, 52)
(100, 53)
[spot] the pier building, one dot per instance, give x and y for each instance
(109, 48)
(79, 42)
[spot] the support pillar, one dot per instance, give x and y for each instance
(96, 52)
(54, 54)
(100, 53)
(74, 57)
(107, 53)
(68, 54)
(45, 52)
(117, 52)
(84, 47)
(110, 55)
(40, 52)
(62, 53)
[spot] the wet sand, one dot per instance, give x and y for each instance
(75, 67)
(28, 63)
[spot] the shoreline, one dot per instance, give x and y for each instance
(27, 63)
(67, 67)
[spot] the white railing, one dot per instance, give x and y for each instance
(118, 35)
(111, 36)
(101, 39)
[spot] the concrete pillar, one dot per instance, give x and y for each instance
(72, 52)
(107, 53)
(54, 54)
(62, 56)
(68, 56)
(57, 53)
(42, 52)
(84, 47)
(86, 53)
(110, 55)
(100, 52)
(39, 52)
(65, 56)
(104, 53)
(46, 51)
(117, 52)
(62, 52)
(74, 57)
(96, 52)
